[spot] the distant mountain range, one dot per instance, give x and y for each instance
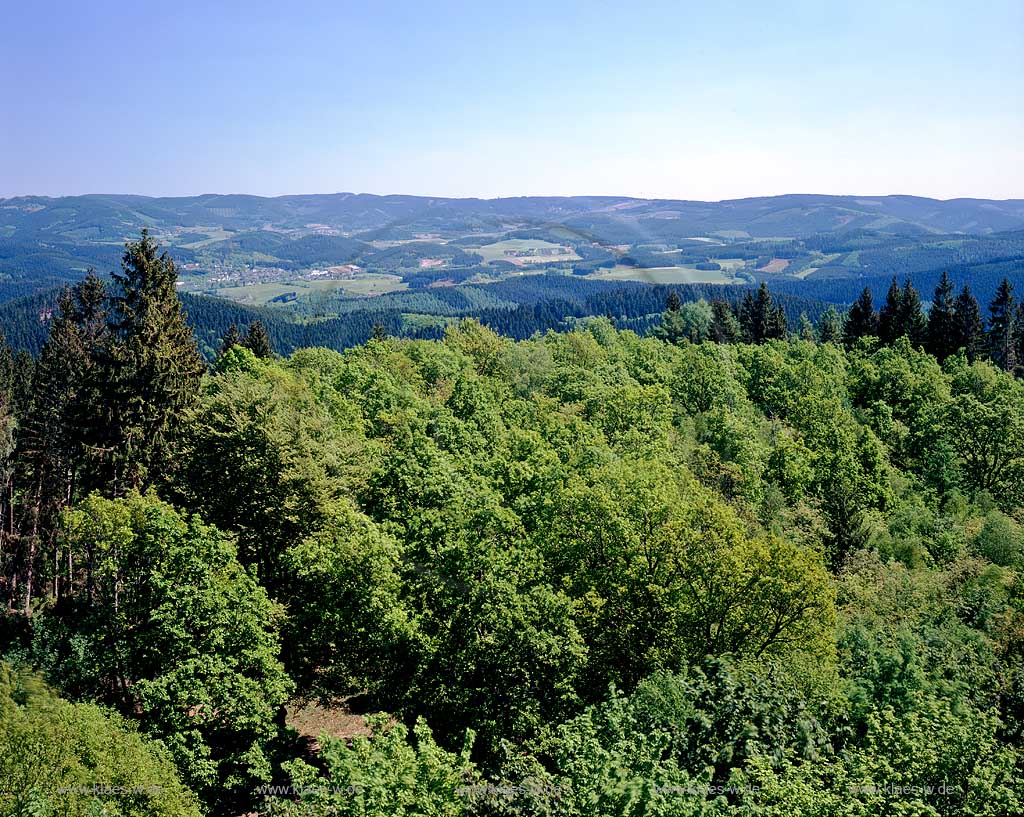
(105, 217)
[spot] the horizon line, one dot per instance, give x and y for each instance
(510, 197)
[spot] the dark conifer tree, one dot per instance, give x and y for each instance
(230, 339)
(912, 323)
(806, 328)
(65, 425)
(62, 432)
(830, 329)
(942, 335)
(725, 328)
(1019, 337)
(8, 426)
(747, 320)
(257, 340)
(776, 326)
(891, 313)
(673, 302)
(153, 367)
(760, 318)
(970, 331)
(861, 320)
(1001, 331)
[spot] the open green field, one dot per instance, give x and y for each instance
(362, 285)
(668, 275)
(527, 251)
(214, 234)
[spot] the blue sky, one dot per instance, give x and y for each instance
(669, 99)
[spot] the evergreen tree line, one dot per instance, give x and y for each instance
(96, 412)
(757, 317)
(953, 322)
(984, 279)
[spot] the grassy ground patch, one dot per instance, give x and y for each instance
(213, 234)
(522, 251)
(668, 275)
(370, 283)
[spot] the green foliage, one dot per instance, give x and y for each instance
(678, 745)
(263, 458)
(1001, 540)
(492, 617)
(169, 628)
(795, 563)
(59, 758)
(689, 321)
(348, 630)
(663, 574)
(985, 426)
(389, 774)
(154, 367)
(703, 378)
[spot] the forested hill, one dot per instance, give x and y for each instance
(517, 308)
(727, 571)
(305, 253)
(100, 216)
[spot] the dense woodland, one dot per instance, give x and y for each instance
(517, 308)
(749, 564)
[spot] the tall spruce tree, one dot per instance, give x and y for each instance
(64, 423)
(257, 340)
(912, 323)
(760, 318)
(154, 367)
(890, 315)
(762, 315)
(830, 328)
(1019, 337)
(942, 335)
(806, 329)
(725, 328)
(777, 326)
(1001, 329)
(747, 320)
(230, 340)
(9, 416)
(861, 320)
(969, 329)
(62, 432)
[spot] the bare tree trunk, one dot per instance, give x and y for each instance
(30, 563)
(30, 557)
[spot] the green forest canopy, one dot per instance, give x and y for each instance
(587, 573)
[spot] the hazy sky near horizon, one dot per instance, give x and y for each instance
(689, 100)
